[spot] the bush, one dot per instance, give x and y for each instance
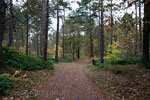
(6, 83)
(24, 62)
(125, 61)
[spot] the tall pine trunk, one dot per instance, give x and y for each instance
(136, 30)
(102, 34)
(27, 35)
(46, 31)
(111, 34)
(10, 35)
(2, 25)
(91, 36)
(146, 31)
(64, 36)
(37, 45)
(140, 27)
(22, 37)
(57, 37)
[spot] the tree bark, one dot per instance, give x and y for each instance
(64, 36)
(2, 25)
(11, 30)
(27, 35)
(57, 37)
(146, 31)
(136, 34)
(91, 36)
(37, 45)
(140, 26)
(102, 34)
(46, 31)
(111, 34)
(22, 37)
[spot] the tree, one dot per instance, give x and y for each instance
(102, 34)
(11, 25)
(111, 14)
(140, 26)
(146, 31)
(136, 29)
(27, 29)
(2, 24)
(46, 33)
(57, 36)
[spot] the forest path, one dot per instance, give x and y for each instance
(70, 83)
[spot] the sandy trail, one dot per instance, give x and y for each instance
(70, 83)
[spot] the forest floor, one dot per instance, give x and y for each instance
(70, 83)
(67, 82)
(121, 82)
(80, 80)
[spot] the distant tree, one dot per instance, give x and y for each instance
(140, 26)
(27, 28)
(136, 29)
(146, 31)
(11, 24)
(102, 34)
(2, 24)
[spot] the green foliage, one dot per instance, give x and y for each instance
(24, 62)
(6, 83)
(117, 69)
(112, 53)
(125, 61)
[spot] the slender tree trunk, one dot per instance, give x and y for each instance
(57, 37)
(136, 35)
(10, 35)
(102, 34)
(140, 26)
(111, 34)
(17, 40)
(91, 36)
(64, 36)
(146, 31)
(2, 25)
(46, 32)
(43, 26)
(22, 37)
(27, 35)
(37, 45)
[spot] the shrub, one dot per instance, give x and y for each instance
(24, 62)
(6, 83)
(125, 61)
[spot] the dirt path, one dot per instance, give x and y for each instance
(70, 83)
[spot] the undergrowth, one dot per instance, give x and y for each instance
(24, 62)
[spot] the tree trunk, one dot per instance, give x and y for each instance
(2, 25)
(140, 27)
(43, 28)
(57, 37)
(22, 37)
(46, 32)
(111, 34)
(17, 40)
(146, 31)
(91, 37)
(102, 34)
(37, 45)
(136, 34)
(64, 36)
(27, 35)
(10, 35)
